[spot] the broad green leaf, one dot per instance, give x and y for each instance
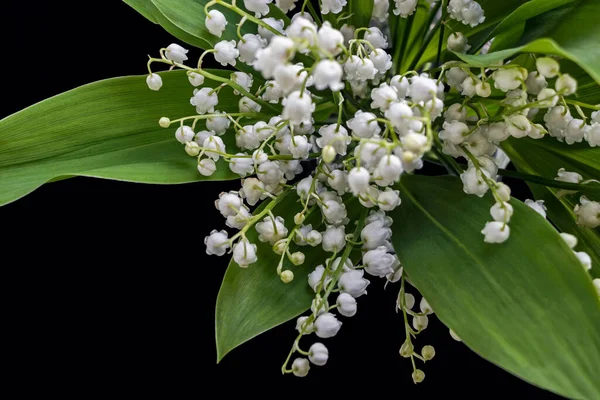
(495, 12)
(526, 305)
(570, 32)
(153, 14)
(253, 300)
(361, 11)
(107, 129)
(543, 158)
(525, 12)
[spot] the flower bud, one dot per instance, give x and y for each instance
(279, 246)
(287, 276)
(483, 89)
(192, 149)
(547, 66)
(503, 192)
(407, 349)
(346, 305)
(297, 258)
(314, 238)
(207, 167)
(300, 367)
(428, 352)
(318, 354)
(164, 122)
(420, 322)
(566, 85)
(154, 82)
(328, 154)
(299, 218)
(418, 376)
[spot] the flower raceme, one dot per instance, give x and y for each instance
(386, 125)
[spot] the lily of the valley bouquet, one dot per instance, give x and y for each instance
(327, 112)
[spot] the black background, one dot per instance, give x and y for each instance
(112, 291)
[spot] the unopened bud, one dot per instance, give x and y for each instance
(287, 276)
(279, 247)
(328, 154)
(407, 349)
(418, 376)
(503, 192)
(299, 218)
(297, 258)
(428, 352)
(455, 336)
(192, 148)
(164, 122)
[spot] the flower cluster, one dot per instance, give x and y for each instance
(387, 124)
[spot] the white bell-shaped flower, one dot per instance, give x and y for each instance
(401, 84)
(207, 167)
(328, 74)
(154, 82)
(537, 206)
(422, 88)
(404, 8)
(217, 243)
(592, 134)
(375, 234)
(330, 39)
(327, 325)
(334, 239)
(213, 145)
(318, 354)
(588, 213)
(389, 199)
(258, 7)
(315, 278)
(218, 124)
(276, 24)
(353, 283)
(381, 60)
(507, 79)
(378, 262)
(384, 96)
(215, 22)
(228, 203)
(242, 165)
(244, 253)
(334, 136)
(226, 52)
(358, 180)
(380, 10)
(298, 107)
(184, 134)
(176, 53)
(269, 173)
(332, 6)
(454, 132)
(547, 66)
(585, 259)
(204, 100)
(458, 43)
(501, 212)
(286, 5)
(239, 220)
(244, 80)
(248, 47)
(377, 39)
(473, 182)
(535, 82)
(346, 305)
(364, 125)
(252, 190)
(334, 212)
(495, 232)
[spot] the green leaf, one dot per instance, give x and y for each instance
(526, 305)
(525, 12)
(153, 14)
(569, 32)
(544, 158)
(253, 300)
(361, 11)
(185, 19)
(107, 129)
